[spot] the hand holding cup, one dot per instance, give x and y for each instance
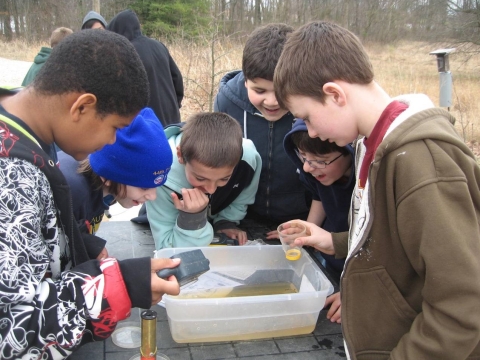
(288, 232)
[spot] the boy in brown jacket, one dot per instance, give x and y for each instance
(411, 284)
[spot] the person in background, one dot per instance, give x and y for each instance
(249, 97)
(328, 172)
(164, 77)
(410, 288)
(214, 178)
(54, 298)
(42, 56)
(127, 172)
(93, 20)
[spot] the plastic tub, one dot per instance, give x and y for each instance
(207, 319)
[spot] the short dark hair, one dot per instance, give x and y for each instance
(213, 139)
(262, 51)
(102, 63)
(90, 23)
(305, 143)
(317, 53)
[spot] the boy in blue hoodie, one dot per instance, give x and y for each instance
(214, 177)
(249, 97)
(328, 172)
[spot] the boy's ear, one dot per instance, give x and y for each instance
(84, 104)
(179, 155)
(335, 92)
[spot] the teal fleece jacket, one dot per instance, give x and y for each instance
(171, 228)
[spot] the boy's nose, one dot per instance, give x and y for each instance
(210, 188)
(307, 167)
(271, 100)
(113, 139)
(311, 132)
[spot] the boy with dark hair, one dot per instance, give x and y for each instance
(249, 97)
(214, 177)
(411, 284)
(57, 35)
(53, 298)
(328, 172)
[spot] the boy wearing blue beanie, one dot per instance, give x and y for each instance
(126, 172)
(214, 178)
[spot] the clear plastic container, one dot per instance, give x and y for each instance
(207, 315)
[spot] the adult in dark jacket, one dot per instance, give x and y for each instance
(165, 79)
(280, 196)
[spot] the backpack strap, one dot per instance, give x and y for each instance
(16, 142)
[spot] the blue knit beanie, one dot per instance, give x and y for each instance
(140, 157)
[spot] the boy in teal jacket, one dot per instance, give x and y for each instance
(214, 177)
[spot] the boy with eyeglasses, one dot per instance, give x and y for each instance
(328, 172)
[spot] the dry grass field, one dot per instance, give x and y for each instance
(400, 69)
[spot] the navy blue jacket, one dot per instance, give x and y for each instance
(280, 196)
(88, 204)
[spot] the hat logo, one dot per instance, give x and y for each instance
(159, 179)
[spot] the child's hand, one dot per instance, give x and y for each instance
(271, 235)
(238, 234)
(334, 314)
(160, 286)
(103, 254)
(193, 201)
(317, 237)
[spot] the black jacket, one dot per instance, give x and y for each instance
(164, 77)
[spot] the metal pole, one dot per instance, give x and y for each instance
(445, 89)
(96, 6)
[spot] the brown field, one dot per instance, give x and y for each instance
(400, 69)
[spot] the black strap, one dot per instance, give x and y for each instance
(15, 143)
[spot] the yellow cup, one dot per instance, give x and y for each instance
(287, 233)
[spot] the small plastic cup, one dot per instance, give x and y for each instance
(288, 235)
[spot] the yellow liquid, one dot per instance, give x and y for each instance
(262, 335)
(242, 290)
(293, 254)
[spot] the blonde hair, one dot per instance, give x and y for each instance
(58, 35)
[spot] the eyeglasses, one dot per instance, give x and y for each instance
(317, 164)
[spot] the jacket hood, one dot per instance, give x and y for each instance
(233, 87)
(43, 55)
(92, 15)
(298, 125)
(126, 23)
(290, 148)
(420, 110)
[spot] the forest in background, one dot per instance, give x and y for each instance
(385, 21)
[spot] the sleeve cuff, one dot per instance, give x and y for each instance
(137, 277)
(189, 221)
